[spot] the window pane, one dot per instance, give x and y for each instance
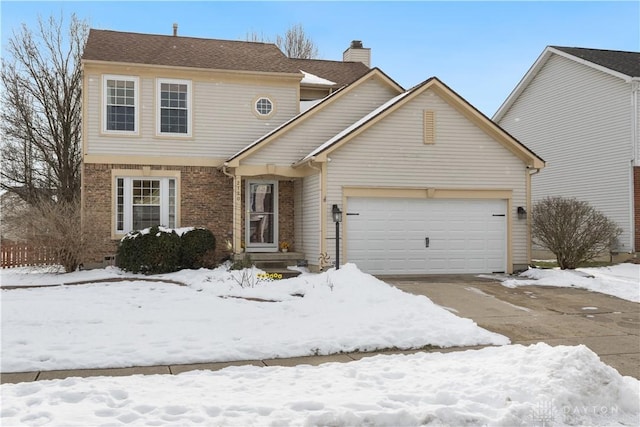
(120, 204)
(174, 108)
(146, 192)
(145, 216)
(264, 106)
(173, 121)
(172, 203)
(120, 118)
(120, 108)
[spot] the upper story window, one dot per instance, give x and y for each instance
(121, 104)
(264, 107)
(174, 105)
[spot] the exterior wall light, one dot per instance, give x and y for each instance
(522, 213)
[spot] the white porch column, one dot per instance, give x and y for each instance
(237, 213)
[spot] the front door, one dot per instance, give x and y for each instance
(261, 220)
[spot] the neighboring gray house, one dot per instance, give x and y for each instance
(578, 109)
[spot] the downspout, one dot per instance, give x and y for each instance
(532, 172)
(635, 148)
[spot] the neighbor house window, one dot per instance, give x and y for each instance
(145, 202)
(264, 106)
(121, 104)
(174, 107)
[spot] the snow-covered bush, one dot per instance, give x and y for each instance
(163, 250)
(198, 247)
(150, 251)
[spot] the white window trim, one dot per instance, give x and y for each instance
(255, 107)
(136, 91)
(189, 108)
(129, 176)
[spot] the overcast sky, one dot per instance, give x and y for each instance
(480, 49)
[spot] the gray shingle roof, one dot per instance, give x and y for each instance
(116, 46)
(627, 63)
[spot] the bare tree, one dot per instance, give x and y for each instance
(56, 226)
(295, 43)
(573, 230)
(41, 111)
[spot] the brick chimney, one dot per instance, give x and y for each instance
(357, 53)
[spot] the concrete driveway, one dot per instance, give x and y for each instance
(558, 316)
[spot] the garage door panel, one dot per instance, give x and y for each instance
(388, 235)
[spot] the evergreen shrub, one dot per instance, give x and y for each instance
(198, 248)
(150, 251)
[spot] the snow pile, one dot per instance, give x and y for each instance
(220, 316)
(511, 385)
(621, 280)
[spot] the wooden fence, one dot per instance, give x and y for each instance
(15, 255)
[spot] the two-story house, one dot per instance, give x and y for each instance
(578, 109)
(260, 148)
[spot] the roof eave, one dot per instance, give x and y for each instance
(522, 84)
(537, 65)
(295, 75)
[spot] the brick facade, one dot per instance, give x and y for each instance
(206, 200)
(636, 203)
(285, 210)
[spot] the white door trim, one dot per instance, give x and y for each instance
(261, 246)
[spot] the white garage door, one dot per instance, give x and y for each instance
(426, 236)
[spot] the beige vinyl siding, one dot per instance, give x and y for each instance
(224, 120)
(392, 153)
(578, 120)
(333, 118)
(307, 214)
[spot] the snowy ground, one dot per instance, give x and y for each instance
(507, 386)
(621, 280)
(214, 318)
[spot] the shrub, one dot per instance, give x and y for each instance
(198, 247)
(150, 251)
(54, 225)
(573, 230)
(241, 264)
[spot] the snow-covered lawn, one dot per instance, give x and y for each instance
(621, 280)
(214, 318)
(515, 385)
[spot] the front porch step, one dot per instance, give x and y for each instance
(267, 256)
(274, 262)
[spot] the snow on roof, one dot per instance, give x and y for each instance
(312, 79)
